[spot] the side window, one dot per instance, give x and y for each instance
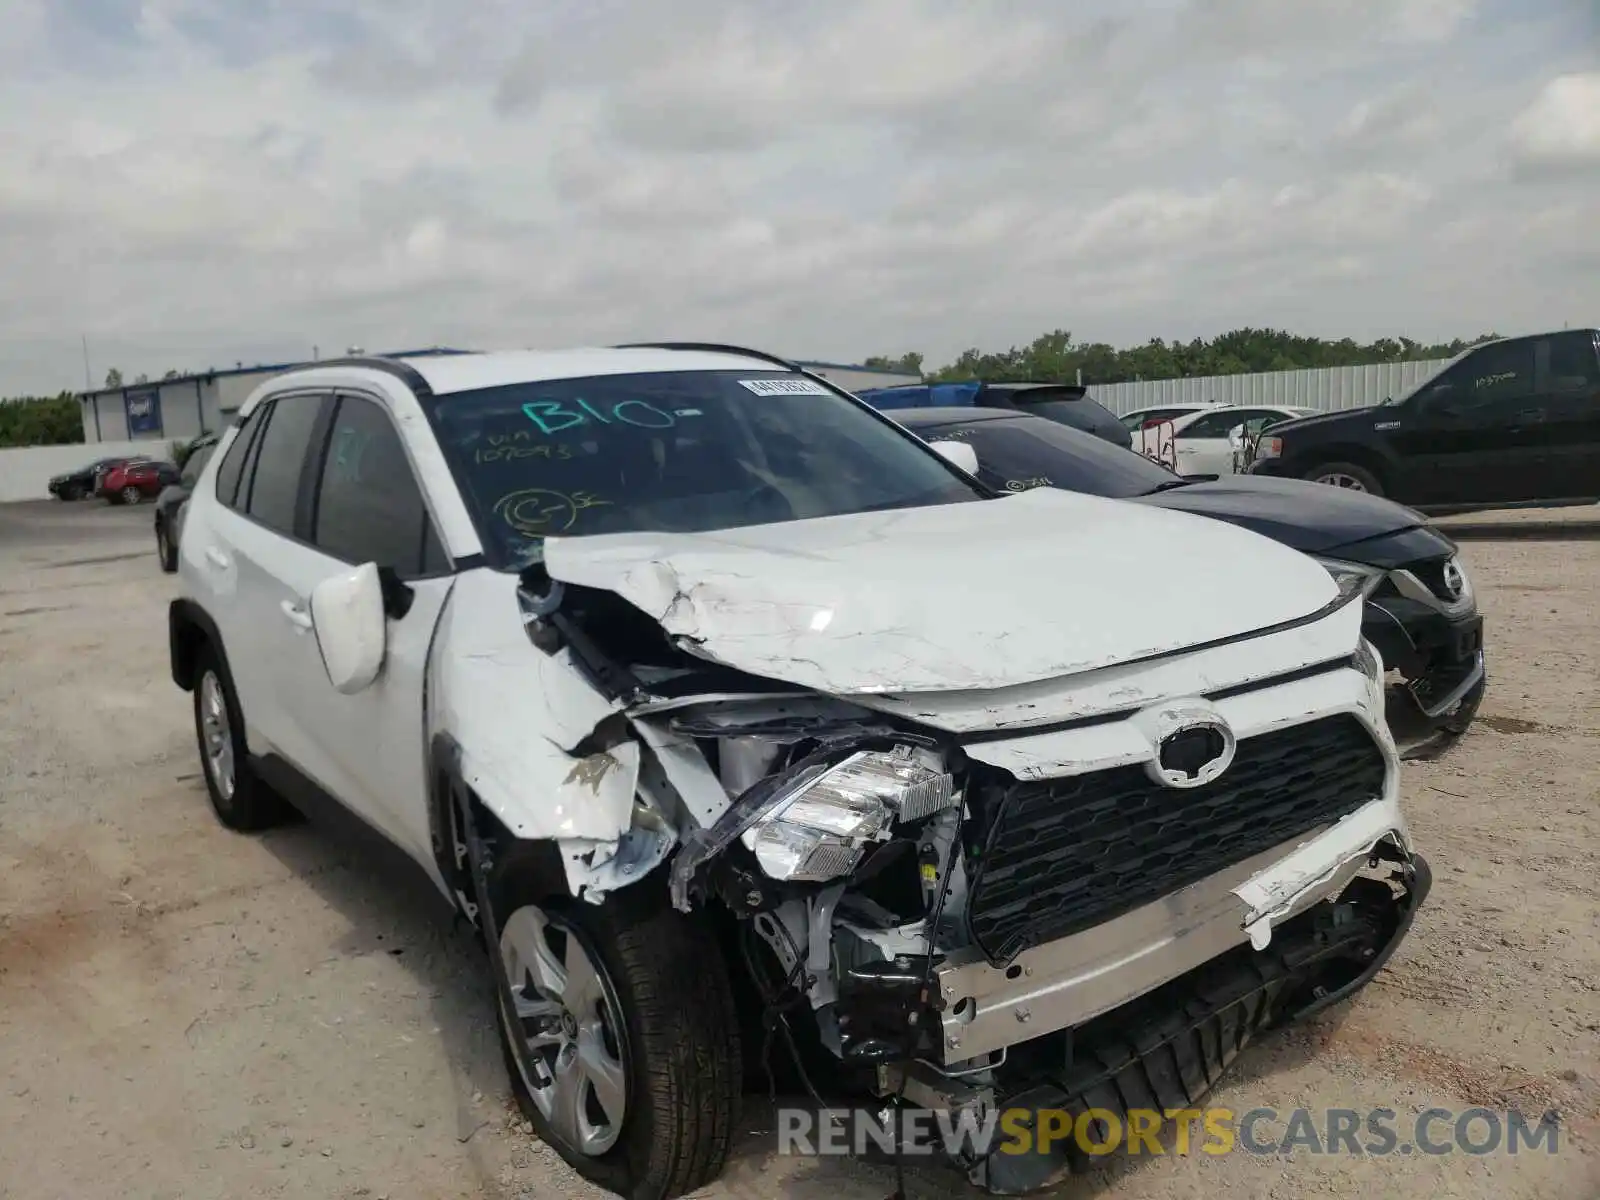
(232, 468)
(1484, 386)
(369, 507)
(1565, 363)
(197, 463)
(274, 487)
(1214, 425)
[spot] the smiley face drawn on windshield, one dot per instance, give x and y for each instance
(539, 512)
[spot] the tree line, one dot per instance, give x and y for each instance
(1056, 358)
(1049, 358)
(41, 421)
(51, 420)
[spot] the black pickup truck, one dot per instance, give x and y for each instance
(1507, 424)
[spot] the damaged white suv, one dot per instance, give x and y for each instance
(742, 723)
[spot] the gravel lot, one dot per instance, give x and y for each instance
(186, 1012)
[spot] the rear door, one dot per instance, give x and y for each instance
(251, 553)
(367, 506)
(1566, 372)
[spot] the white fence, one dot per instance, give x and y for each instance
(25, 473)
(1326, 388)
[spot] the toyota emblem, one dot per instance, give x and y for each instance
(1192, 742)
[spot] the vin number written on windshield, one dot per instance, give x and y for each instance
(552, 416)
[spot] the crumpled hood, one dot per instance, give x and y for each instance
(986, 594)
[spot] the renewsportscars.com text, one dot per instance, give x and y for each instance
(1377, 1132)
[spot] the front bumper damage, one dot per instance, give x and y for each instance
(1110, 1026)
(1070, 981)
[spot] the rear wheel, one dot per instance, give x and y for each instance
(242, 802)
(166, 552)
(626, 1016)
(1346, 475)
(131, 495)
(72, 492)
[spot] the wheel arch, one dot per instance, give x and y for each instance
(538, 862)
(1355, 453)
(190, 630)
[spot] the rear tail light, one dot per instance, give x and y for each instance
(1269, 447)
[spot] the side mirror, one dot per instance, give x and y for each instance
(960, 453)
(348, 617)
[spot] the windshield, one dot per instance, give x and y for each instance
(1015, 454)
(676, 452)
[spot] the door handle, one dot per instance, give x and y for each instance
(217, 557)
(298, 617)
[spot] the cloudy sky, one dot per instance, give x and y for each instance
(198, 182)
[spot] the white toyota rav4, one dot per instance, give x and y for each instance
(743, 724)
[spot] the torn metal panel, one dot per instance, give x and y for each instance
(594, 869)
(518, 714)
(806, 602)
(697, 785)
(1278, 892)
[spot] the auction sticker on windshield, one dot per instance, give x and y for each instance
(785, 387)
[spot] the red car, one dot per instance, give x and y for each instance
(131, 482)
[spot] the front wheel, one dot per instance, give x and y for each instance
(625, 1013)
(1346, 475)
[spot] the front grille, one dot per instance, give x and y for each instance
(1062, 855)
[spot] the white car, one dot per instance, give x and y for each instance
(732, 715)
(1138, 418)
(1202, 438)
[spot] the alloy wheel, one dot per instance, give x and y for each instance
(1340, 480)
(567, 1014)
(216, 735)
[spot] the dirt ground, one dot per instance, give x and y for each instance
(189, 1013)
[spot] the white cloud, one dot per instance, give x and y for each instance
(1561, 128)
(189, 182)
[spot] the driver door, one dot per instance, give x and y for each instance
(369, 749)
(1478, 434)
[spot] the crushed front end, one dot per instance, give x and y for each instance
(1097, 914)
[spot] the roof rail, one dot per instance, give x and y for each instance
(714, 348)
(396, 367)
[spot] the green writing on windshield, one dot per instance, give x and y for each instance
(552, 416)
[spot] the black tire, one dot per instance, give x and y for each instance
(166, 552)
(681, 1043)
(1455, 724)
(71, 492)
(1368, 481)
(131, 495)
(250, 806)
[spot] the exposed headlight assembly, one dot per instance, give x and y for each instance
(823, 820)
(1353, 578)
